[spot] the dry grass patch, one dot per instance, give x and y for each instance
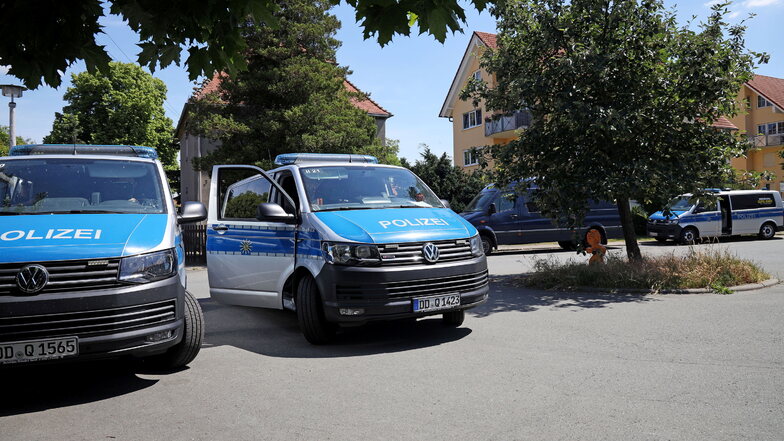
(712, 269)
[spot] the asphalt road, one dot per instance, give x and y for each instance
(526, 365)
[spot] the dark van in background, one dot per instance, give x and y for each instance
(504, 218)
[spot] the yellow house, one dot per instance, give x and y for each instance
(763, 123)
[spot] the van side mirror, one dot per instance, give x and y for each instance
(491, 209)
(446, 203)
(270, 212)
(192, 211)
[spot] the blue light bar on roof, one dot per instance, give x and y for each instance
(83, 149)
(299, 158)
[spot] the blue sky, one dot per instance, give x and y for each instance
(410, 77)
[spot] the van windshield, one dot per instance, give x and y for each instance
(361, 187)
(681, 203)
(481, 201)
(79, 185)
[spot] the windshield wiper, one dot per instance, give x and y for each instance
(10, 213)
(350, 208)
(87, 212)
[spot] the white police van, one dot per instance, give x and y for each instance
(719, 214)
(342, 240)
(91, 257)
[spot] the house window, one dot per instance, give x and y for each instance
(470, 157)
(771, 128)
(477, 75)
(472, 119)
(762, 102)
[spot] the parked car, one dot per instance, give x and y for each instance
(343, 241)
(504, 217)
(688, 218)
(91, 257)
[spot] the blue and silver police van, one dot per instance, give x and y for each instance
(91, 257)
(342, 240)
(504, 216)
(718, 213)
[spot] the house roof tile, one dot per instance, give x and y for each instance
(771, 88)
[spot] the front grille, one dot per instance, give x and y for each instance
(412, 288)
(411, 253)
(87, 323)
(65, 275)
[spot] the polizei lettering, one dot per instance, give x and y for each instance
(54, 233)
(434, 221)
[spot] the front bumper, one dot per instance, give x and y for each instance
(108, 322)
(386, 293)
(672, 231)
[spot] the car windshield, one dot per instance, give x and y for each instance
(79, 185)
(481, 201)
(365, 187)
(681, 203)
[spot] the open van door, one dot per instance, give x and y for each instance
(251, 241)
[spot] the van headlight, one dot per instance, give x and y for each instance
(670, 221)
(476, 246)
(350, 254)
(150, 267)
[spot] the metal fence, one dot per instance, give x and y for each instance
(194, 237)
(514, 121)
(767, 140)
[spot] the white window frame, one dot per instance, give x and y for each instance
(762, 102)
(476, 115)
(477, 75)
(762, 129)
(471, 156)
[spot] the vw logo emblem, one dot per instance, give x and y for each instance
(430, 252)
(32, 279)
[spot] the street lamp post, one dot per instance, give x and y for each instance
(13, 91)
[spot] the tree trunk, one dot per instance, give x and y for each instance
(629, 236)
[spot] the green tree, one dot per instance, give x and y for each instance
(124, 106)
(210, 31)
(448, 181)
(291, 99)
(622, 98)
(5, 138)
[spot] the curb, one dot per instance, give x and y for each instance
(738, 288)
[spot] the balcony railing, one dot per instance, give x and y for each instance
(766, 140)
(514, 121)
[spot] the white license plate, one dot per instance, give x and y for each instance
(38, 350)
(653, 233)
(436, 303)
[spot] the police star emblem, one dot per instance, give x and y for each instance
(245, 247)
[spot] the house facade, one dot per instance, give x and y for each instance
(473, 127)
(194, 184)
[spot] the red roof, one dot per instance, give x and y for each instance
(771, 88)
(724, 123)
(487, 38)
(368, 105)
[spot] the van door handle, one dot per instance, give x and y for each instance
(220, 229)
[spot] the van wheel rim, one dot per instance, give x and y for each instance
(767, 231)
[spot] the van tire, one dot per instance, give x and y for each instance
(192, 335)
(487, 244)
(689, 236)
(310, 313)
(453, 318)
(767, 230)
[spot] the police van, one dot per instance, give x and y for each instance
(689, 218)
(504, 217)
(342, 240)
(91, 257)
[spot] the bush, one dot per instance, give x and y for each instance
(697, 269)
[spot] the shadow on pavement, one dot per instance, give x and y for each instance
(541, 250)
(276, 333)
(723, 240)
(506, 297)
(28, 388)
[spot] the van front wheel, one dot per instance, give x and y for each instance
(487, 244)
(192, 336)
(310, 313)
(767, 231)
(689, 236)
(454, 318)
